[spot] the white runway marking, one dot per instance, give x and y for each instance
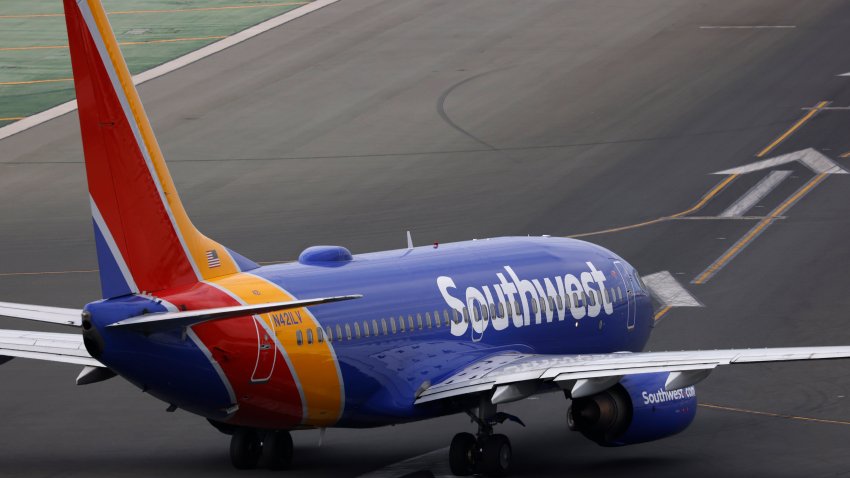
(745, 27)
(810, 157)
(437, 462)
(172, 65)
(755, 194)
(669, 291)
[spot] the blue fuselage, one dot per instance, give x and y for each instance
(428, 312)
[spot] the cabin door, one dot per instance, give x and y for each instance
(266, 353)
(628, 284)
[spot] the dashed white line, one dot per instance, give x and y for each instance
(172, 65)
(745, 27)
(755, 194)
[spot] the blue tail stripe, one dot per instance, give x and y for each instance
(112, 282)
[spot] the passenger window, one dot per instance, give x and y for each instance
(329, 333)
(534, 305)
(375, 327)
(437, 320)
(419, 321)
(456, 316)
(401, 325)
(619, 294)
(560, 302)
(428, 319)
(299, 337)
(347, 332)
(410, 322)
(551, 304)
(577, 299)
(366, 328)
(309, 336)
(466, 315)
(384, 326)
(339, 333)
(492, 311)
(591, 298)
(567, 301)
(392, 325)
(518, 309)
(320, 335)
(500, 310)
(508, 309)
(356, 330)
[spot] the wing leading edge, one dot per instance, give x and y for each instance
(514, 376)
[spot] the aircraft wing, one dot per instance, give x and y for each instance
(41, 313)
(64, 348)
(513, 376)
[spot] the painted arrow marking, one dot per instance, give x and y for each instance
(669, 292)
(810, 157)
(755, 194)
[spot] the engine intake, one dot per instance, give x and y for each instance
(636, 410)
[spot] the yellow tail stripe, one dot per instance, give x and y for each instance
(197, 243)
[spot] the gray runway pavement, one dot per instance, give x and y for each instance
(473, 119)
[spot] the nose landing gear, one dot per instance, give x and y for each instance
(487, 453)
(250, 448)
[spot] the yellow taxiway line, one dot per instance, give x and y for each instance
(773, 415)
(811, 114)
(755, 231)
(696, 207)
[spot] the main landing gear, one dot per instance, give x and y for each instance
(487, 453)
(250, 448)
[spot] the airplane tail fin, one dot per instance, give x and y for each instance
(145, 240)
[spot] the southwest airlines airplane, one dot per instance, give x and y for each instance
(336, 340)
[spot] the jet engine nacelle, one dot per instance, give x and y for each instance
(636, 410)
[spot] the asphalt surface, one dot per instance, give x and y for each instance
(472, 119)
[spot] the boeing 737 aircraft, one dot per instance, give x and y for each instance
(337, 340)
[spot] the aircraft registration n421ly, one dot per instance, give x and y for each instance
(337, 340)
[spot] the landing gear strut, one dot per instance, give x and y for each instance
(487, 453)
(251, 448)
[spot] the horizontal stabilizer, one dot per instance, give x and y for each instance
(167, 320)
(40, 313)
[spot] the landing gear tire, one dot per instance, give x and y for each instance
(277, 450)
(245, 449)
(496, 456)
(462, 454)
